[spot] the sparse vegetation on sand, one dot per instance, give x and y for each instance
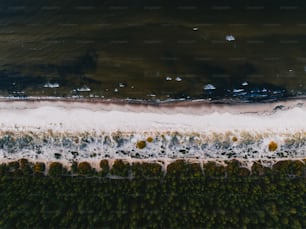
(141, 144)
(272, 146)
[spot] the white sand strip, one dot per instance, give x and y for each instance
(67, 131)
(76, 116)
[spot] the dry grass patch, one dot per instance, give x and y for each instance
(272, 146)
(141, 144)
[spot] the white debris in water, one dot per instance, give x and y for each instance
(264, 90)
(122, 85)
(195, 29)
(168, 78)
(290, 70)
(116, 90)
(51, 85)
(178, 79)
(230, 38)
(83, 89)
(238, 90)
(209, 87)
(245, 83)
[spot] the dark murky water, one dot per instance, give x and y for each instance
(153, 50)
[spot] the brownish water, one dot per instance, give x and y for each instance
(152, 50)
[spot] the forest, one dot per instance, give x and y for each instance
(143, 195)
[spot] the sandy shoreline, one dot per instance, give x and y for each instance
(187, 117)
(80, 116)
(73, 130)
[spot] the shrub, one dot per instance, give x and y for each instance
(56, 169)
(289, 168)
(234, 168)
(211, 169)
(147, 170)
(120, 168)
(149, 139)
(141, 144)
(39, 168)
(272, 146)
(3, 169)
(258, 169)
(297, 168)
(26, 167)
(14, 168)
(182, 169)
(23, 162)
(74, 167)
(13, 165)
(84, 168)
(104, 167)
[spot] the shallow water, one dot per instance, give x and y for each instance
(153, 51)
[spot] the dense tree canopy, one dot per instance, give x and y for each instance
(141, 196)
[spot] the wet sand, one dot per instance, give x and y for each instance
(195, 107)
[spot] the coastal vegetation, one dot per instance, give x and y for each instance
(142, 194)
(141, 144)
(272, 146)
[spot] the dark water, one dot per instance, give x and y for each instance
(246, 50)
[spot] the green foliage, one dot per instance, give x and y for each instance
(104, 167)
(197, 201)
(296, 168)
(84, 168)
(56, 169)
(39, 168)
(147, 170)
(74, 167)
(120, 168)
(234, 168)
(258, 169)
(3, 169)
(26, 167)
(211, 169)
(13, 166)
(183, 169)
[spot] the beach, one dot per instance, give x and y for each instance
(72, 130)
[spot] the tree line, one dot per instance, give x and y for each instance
(142, 195)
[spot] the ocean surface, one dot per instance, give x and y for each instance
(249, 51)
